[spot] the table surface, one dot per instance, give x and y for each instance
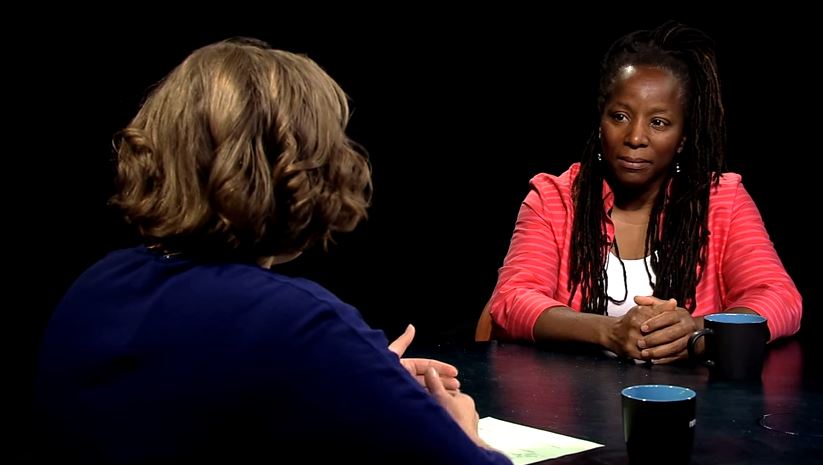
(577, 393)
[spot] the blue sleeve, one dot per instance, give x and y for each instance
(348, 386)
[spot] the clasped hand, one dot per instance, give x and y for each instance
(655, 330)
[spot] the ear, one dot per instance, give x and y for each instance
(681, 144)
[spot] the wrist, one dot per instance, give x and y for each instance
(605, 332)
(700, 345)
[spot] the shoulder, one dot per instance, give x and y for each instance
(303, 316)
(730, 180)
(275, 310)
(550, 184)
(730, 201)
(217, 288)
(301, 289)
(250, 283)
(727, 189)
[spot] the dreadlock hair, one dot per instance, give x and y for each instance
(678, 243)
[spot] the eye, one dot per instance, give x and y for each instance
(658, 123)
(619, 117)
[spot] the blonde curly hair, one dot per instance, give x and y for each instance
(241, 151)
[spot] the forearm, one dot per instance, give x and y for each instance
(741, 310)
(566, 325)
(753, 273)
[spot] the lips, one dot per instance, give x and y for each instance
(632, 163)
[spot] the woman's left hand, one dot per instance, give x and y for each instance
(665, 335)
(417, 367)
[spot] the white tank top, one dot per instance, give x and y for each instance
(638, 283)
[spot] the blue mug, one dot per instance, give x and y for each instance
(659, 417)
(735, 345)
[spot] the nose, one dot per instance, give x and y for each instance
(636, 135)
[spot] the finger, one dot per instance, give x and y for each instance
(666, 305)
(647, 300)
(672, 349)
(402, 343)
(446, 370)
(418, 366)
(630, 349)
(665, 314)
(665, 335)
(657, 305)
(659, 321)
(434, 384)
(644, 312)
(451, 384)
(664, 361)
(633, 353)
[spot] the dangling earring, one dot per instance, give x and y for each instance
(677, 167)
(599, 157)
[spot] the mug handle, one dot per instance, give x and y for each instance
(693, 343)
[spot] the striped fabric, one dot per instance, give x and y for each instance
(742, 269)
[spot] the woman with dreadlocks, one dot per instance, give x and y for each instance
(633, 245)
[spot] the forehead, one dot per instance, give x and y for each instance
(646, 84)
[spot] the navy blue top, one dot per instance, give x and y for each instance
(150, 359)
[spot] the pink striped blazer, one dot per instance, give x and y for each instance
(742, 269)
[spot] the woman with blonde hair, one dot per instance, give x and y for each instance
(188, 348)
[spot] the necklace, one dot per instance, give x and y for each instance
(163, 252)
(625, 278)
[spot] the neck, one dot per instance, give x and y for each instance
(268, 262)
(635, 200)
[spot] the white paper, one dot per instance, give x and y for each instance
(524, 444)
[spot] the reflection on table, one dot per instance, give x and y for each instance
(577, 393)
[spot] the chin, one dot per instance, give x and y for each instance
(633, 179)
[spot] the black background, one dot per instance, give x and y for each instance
(458, 112)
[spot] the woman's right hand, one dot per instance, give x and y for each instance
(666, 335)
(459, 405)
(625, 332)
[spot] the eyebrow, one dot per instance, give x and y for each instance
(653, 110)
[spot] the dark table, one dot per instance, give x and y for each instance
(577, 393)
